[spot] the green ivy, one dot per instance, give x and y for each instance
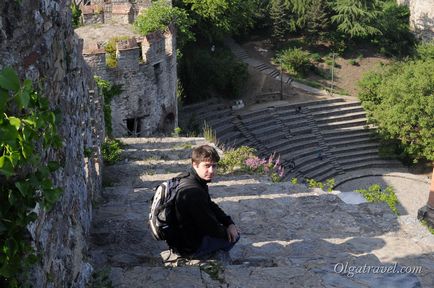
(27, 127)
(108, 91)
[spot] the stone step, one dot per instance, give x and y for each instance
(355, 147)
(320, 173)
(350, 141)
(285, 143)
(332, 105)
(371, 164)
(340, 118)
(294, 106)
(355, 153)
(342, 124)
(336, 111)
(347, 131)
(339, 136)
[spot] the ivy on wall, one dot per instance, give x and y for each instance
(27, 127)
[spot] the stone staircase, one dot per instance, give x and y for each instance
(291, 236)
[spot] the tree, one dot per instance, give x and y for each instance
(356, 18)
(280, 18)
(220, 17)
(393, 22)
(400, 101)
(160, 15)
(317, 20)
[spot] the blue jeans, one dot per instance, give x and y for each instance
(211, 244)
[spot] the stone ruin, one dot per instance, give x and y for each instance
(146, 70)
(105, 11)
(421, 17)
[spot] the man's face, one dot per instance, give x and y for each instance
(206, 169)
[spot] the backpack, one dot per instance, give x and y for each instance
(162, 217)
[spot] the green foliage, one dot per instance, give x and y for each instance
(425, 50)
(356, 18)
(271, 167)
(312, 183)
(208, 133)
(317, 18)
(395, 39)
(294, 181)
(221, 17)
(204, 73)
(234, 159)
(375, 194)
(76, 14)
(160, 15)
(328, 186)
(295, 61)
(27, 127)
(176, 132)
(280, 19)
(110, 49)
(108, 91)
(400, 101)
(101, 279)
(111, 151)
(427, 225)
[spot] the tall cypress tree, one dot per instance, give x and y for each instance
(280, 17)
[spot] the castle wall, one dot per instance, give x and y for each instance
(114, 11)
(146, 69)
(421, 17)
(37, 39)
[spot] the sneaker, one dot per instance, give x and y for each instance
(169, 256)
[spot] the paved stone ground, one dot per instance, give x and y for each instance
(291, 236)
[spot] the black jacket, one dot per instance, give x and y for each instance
(198, 215)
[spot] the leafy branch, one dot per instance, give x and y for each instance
(27, 127)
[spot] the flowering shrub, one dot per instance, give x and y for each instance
(271, 167)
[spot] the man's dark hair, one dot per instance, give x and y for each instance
(204, 153)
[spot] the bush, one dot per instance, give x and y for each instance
(235, 159)
(110, 49)
(425, 50)
(159, 16)
(375, 194)
(111, 151)
(295, 61)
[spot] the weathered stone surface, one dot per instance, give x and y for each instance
(421, 17)
(37, 39)
(291, 236)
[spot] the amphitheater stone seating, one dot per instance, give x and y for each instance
(321, 138)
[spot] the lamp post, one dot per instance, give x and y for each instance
(281, 80)
(333, 66)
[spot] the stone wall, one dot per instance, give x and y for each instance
(146, 69)
(421, 17)
(37, 39)
(117, 11)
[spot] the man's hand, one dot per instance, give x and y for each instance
(232, 232)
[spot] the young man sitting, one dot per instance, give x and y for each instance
(204, 227)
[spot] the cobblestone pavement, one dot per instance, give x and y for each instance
(292, 236)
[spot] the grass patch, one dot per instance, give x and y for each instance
(427, 225)
(214, 270)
